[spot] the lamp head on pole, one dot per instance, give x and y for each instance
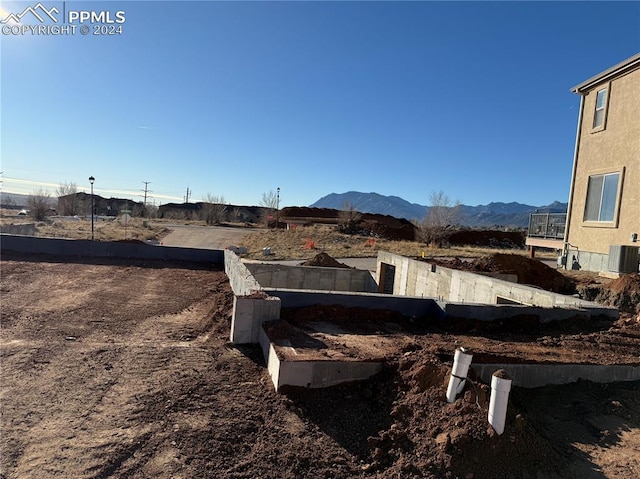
(91, 179)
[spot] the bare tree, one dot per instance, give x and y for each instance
(348, 218)
(39, 204)
(151, 211)
(270, 202)
(213, 209)
(443, 213)
(9, 201)
(269, 199)
(235, 214)
(67, 200)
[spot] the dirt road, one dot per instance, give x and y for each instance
(209, 237)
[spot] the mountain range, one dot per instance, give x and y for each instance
(494, 214)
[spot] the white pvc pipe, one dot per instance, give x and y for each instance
(461, 361)
(500, 387)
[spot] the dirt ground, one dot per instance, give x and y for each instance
(124, 369)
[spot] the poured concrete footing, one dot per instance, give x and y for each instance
(248, 315)
(536, 375)
(296, 359)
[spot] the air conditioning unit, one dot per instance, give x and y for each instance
(623, 259)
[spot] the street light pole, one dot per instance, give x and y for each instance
(91, 180)
(277, 208)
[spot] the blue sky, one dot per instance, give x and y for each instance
(238, 98)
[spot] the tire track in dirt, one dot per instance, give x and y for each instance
(87, 370)
(118, 380)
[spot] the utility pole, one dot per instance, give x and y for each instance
(146, 192)
(91, 180)
(186, 198)
(277, 208)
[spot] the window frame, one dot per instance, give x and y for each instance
(613, 222)
(604, 109)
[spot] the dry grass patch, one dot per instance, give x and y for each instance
(305, 242)
(104, 230)
(300, 243)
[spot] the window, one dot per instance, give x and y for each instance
(601, 105)
(602, 194)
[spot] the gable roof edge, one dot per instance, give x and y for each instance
(620, 68)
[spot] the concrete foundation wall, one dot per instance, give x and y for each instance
(418, 278)
(26, 230)
(493, 312)
(321, 374)
(597, 262)
(411, 307)
(241, 280)
(313, 374)
(536, 375)
(105, 249)
(307, 277)
(589, 261)
(248, 316)
(490, 312)
(248, 312)
(271, 358)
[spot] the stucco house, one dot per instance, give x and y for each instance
(603, 216)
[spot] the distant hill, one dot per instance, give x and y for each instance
(13, 200)
(494, 214)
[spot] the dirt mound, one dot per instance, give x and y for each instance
(324, 260)
(627, 283)
(388, 227)
(366, 224)
(399, 424)
(623, 293)
(414, 432)
(529, 271)
(488, 238)
(311, 213)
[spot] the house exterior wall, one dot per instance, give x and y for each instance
(613, 148)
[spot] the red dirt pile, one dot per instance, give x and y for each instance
(623, 293)
(529, 271)
(455, 439)
(411, 431)
(324, 260)
(385, 226)
(365, 224)
(488, 238)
